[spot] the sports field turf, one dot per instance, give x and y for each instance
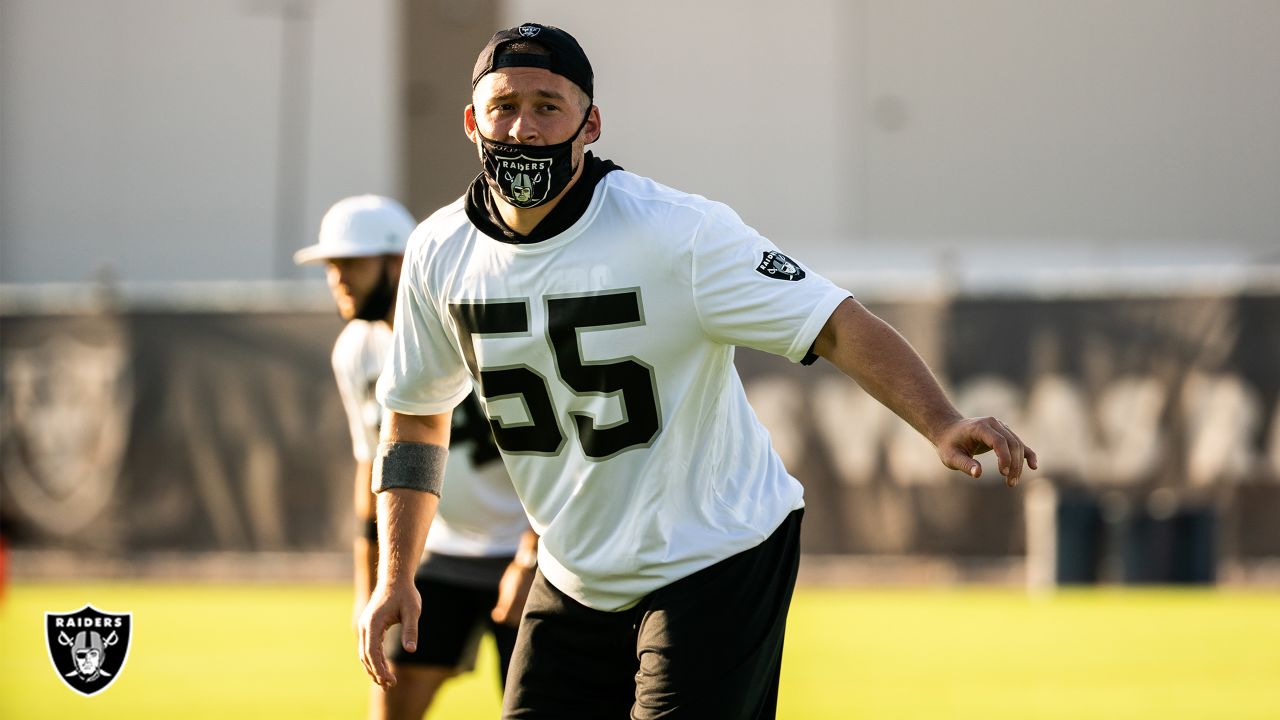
(247, 652)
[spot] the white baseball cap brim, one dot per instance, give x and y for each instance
(318, 253)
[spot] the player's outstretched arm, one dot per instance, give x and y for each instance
(404, 515)
(870, 351)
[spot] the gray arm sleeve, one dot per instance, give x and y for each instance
(415, 466)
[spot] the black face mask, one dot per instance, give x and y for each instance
(529, 175)
(383, 295)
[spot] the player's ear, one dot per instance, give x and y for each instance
(469, 122)
(592, 129)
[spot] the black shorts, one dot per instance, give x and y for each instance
(454, 618)
(708, 646)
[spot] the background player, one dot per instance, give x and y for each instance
(480, 539)
(598, 311)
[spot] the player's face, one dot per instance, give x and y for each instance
(87, 661)
(351, 280)
(530, 106)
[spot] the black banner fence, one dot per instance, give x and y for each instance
(131, 432)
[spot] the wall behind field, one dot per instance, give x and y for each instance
(184, 140)
(187, 139)
(994, 136)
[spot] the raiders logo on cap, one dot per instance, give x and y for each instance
(529, 30)
(779, 267)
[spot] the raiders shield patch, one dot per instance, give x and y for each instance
(779, 267)
(525, 182)
(88, 647)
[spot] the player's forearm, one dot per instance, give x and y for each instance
(883, 363)
(403, 518)
(405, 514)
(365, 547)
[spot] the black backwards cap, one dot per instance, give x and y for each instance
(566, 59)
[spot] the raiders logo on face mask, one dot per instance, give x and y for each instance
(779, 267)
(529, 175)
(523, 181)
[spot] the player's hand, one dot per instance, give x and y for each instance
(357, 608)
(513, 590)
(388, 606)
(960, 442)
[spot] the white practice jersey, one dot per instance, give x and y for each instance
(605, 358)
(480, 514)
(357, 361)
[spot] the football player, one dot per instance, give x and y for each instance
(597, 311)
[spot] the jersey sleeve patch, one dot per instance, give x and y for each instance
(779, 267)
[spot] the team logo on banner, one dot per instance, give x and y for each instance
(65, 406)
(780, 267)
(88, 647)
(525, 182)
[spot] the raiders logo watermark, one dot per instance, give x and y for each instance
(525, 182)
(780, 267)
(88, 647)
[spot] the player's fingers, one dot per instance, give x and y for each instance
(381, 674)
(988, 433)
(375, 661)
(409, 627)
(501, 610)
(1033, 461)
(365, 658)
(1016, 455)
(957, 459)
(360, 647)
(515, 611)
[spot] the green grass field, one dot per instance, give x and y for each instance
(286, 652)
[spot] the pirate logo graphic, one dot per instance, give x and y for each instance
(88, 647)
(65, 407)
(525, 182)
(780, 267)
